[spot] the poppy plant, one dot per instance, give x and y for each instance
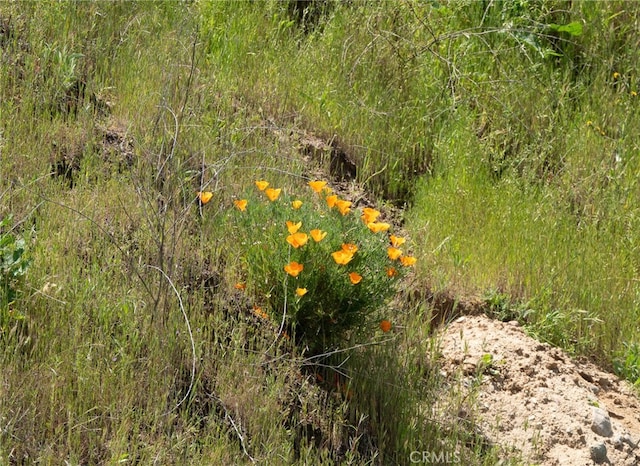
(241, 204)
(408, 261)
(293, 227)
(240, 286)
(317, 185)
(349, 247)
(297, 239)
(394, 253)
(204, 196)
(385, 326)
(377, 227)
(391, 272)
(260, 313)
(272, 194)
(396, 241)
(300, 292)
(355, 278)
(318, 235)
(296, 204)
(369, 215)
(262, 185)
(343, 206)
(331, 200)
(293, 268)
(342, 257)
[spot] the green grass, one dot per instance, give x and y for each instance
(510, 144)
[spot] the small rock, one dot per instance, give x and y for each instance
(601, 423)
(514, 323)
(598, 452)
(626, 438)
(617, 441)
(604, 383)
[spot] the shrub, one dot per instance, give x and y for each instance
(13, 267)
(322, 270)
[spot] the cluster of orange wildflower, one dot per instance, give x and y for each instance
(297, 238)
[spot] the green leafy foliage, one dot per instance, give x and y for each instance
(319, 269)
(13, 264)
(13, 267)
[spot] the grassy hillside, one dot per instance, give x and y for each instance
(500, 137)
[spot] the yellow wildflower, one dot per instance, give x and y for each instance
(377, 227)
(349, 247)
(408, 261)
(300, 292)
(204, 196)
(297, 239)
(342, 257)
(241, 204)
(394, 253)
(318, 235)
(396, 241)
(369, 215)
(317, 185)
(293, 227)
(272, 194)
(343, 206)
(331, 200)
(296, 204)
(262, 185)
(293, 268)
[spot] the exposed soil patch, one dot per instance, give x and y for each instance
(535, 399)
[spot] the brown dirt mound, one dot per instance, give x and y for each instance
(534, 400)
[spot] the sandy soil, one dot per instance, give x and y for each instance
(535, 399)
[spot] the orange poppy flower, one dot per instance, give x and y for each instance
(293, 268)
(262, 185)
(204, 196)
(342, 257)
(394, 253)
(293, 227)
(318, 235)
(385, 326)
(369, 215)
(331, 201)
(355, 278)
(296, 204)
(391, 272)
(297, 239)
(272, 194)
(259, 312)
(240, 286)
(241, 204)
(300, 292)
(377, 227)
(317, 185)
(408, 261)
(350, 248)
(396, 241)
(343, 206)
